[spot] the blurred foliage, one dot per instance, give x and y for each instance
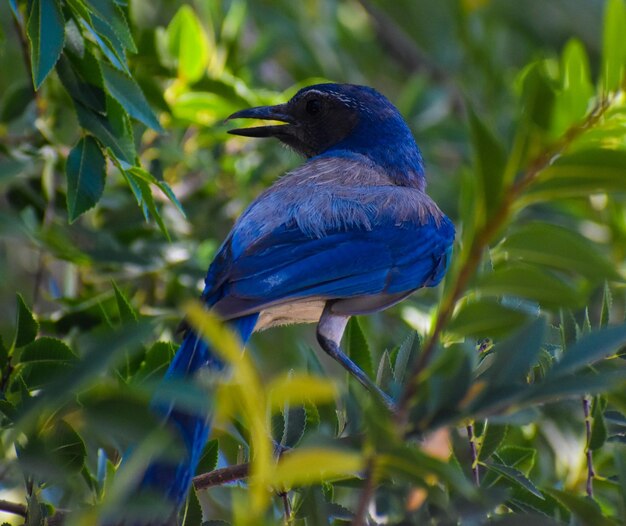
(118, 182)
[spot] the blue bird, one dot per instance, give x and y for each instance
(351, 231)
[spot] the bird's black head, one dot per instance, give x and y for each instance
(333, 118)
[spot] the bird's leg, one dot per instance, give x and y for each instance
(329, 332)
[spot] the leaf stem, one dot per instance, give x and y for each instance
(474, 452)
(360, 516)
(590, 471)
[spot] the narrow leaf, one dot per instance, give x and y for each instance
(590, 348)
(514, 476)
(614, 45)
(127, 313)
(357, 347)
(26, 325)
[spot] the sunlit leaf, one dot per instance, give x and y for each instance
(299, 388)
(313, 465)
(188, 43)
(614, 45)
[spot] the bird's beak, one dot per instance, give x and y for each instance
(266, 113)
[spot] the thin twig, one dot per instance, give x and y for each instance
(474, 452)
(590, 471)
(360, 516)
(221, 476)
(13, 507)
(284, 495)
(482, 241)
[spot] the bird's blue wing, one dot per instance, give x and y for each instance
(380, 255)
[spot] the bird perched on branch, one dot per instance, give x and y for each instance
(351, 231)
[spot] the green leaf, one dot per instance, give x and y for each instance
(107, 42)
(526, 281)
(82, 78)
(16, 99)
(491, 439)
(407, 351)
(147, 201)
(513, 475)
(489, 162)
(598, 426)
(295, 420)
(127, 92)
(188, 43)
(584, 508)
(607, 303)
(162, 185)
(557, 247)
(86, 171)
(573, 100)
(589, 349)
(112, 15)
(209, 458)
(552, 388)
(26, 324)
(113, 131)
(357, 347)
(47, 349)
(486, 317)
(46, 34)
(66, 447)
(579, 174)
(127, 313)
(520, 458)
(384, 373)
(156, 361)
(614, 45)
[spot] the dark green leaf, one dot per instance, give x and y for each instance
(585, 508)
(552, 387)
(86, 171)
(47, 349)
(46, 34)
(357, 347)
(26, 324)
(531, 283)
(555, 246)
(514, 476)
(590, 348)
(147, 201)
(384, 373)
(607, 303)
(598, 427)
(486, 317)
(295, 420)
(66, 446)
(515, 355)
(518, 457)
(489, 162)
(16, 99)
(113, 132)
(112, 14)
(491, 439)
(83, 81)
(127, 312)
(126, 91)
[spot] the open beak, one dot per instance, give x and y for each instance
(266, 113)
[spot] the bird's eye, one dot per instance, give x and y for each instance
(313, 106)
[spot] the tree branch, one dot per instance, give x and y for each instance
(13, 507)
(221, 476)
(590, 471)
(480, 243)
(360, 516)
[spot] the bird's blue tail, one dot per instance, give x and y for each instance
(172, 479)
